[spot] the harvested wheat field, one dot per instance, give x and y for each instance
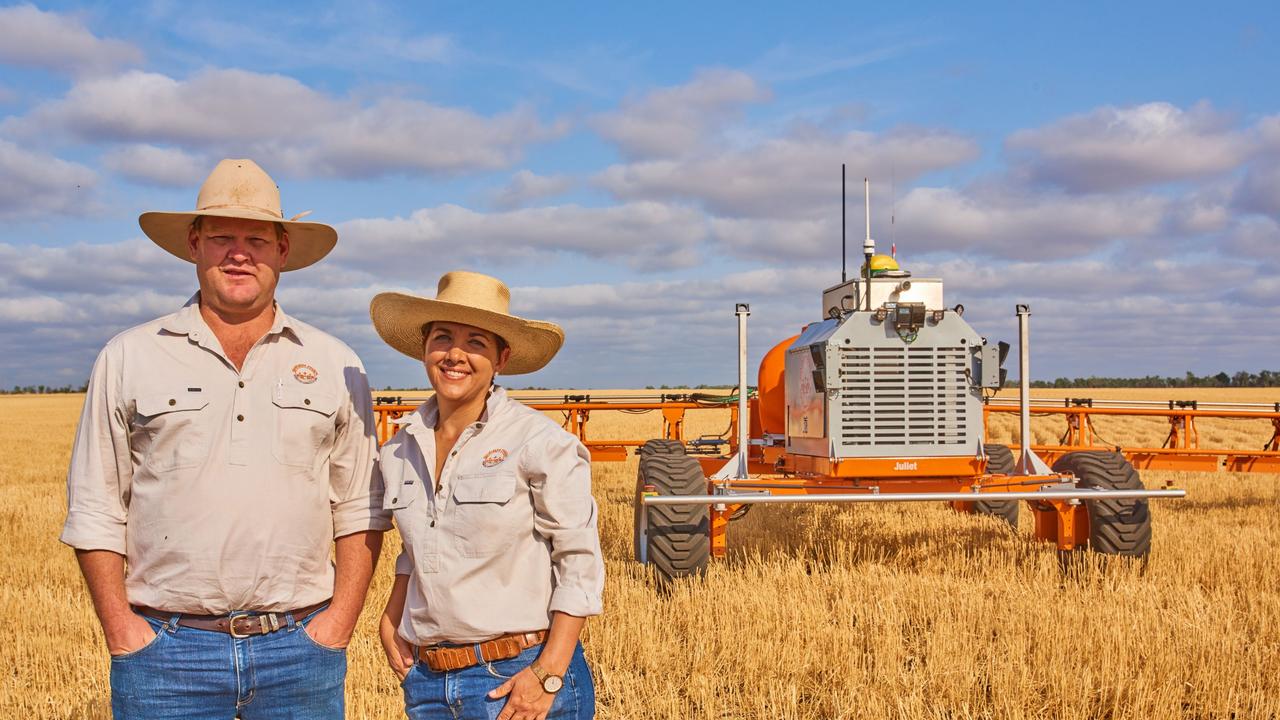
(908, 611)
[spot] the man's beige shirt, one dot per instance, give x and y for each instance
(505, 536)
(224, 489)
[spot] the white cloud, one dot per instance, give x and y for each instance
(787, 242)
(1206, 209)
(1092, 315)
(33, 309)
(795, 176)
(152, 165)
(112, 267)
(1115, 148)
(1017, 225)
(644, 236)
(212, 107)
(673, 121)
(398, 135)
(33, 185)
(1269, 134)
(287, 125)
(32, 37)
(526, 187)
(1257, 238)
(1259, 192)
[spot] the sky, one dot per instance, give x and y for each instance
(634, 170)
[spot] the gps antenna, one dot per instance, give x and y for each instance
(844, 227)
(868, 245)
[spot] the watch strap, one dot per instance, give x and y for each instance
(543, 676)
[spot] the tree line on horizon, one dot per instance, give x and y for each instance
(1243, 378)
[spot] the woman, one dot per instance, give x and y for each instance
(501, 562)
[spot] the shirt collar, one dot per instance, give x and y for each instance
(423, 420)
(188, 321)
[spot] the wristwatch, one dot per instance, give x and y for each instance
(550, 683)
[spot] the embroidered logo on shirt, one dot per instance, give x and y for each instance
(494, 457)
(305, 373)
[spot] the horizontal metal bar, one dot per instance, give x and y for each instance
(870, 497)
(556, 405)
(1265, 412)
(1100, 403)
(1198, 451)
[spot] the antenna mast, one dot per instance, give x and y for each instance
(844, 227)
(868, 245)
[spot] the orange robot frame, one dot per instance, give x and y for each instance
(772, 470)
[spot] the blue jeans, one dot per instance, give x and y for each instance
(464, 694)
(190, 674)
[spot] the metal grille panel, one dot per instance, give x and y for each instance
(903, 396)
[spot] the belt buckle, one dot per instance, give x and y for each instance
(267, 623)
(231, 627)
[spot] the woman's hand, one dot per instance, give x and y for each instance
(399, 651)
(526, 700)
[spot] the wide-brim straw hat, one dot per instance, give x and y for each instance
(240, 189)
(471, 299)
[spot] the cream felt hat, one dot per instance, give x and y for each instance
(240, 189)
(471, 299)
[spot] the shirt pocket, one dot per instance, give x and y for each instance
(413, 522)
(177, 429)
(304, 425)
(484, 515)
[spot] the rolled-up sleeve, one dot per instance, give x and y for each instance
(101, 470)
(355, 486)
(404, 563)
(559, 469)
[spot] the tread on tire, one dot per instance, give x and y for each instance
(1116, 527)
(679, 536)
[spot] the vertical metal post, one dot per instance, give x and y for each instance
(844, 225)
(1024, 387)
(642, 532)
(742, 310)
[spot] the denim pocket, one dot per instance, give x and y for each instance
(494, 671)
(507, 669)
(303, 629)
(158, 627)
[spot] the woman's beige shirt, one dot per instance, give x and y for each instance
(505, 536)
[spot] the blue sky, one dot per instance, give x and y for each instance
(634, 170)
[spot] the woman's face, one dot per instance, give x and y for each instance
(461, 360)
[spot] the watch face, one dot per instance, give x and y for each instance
(552, 683)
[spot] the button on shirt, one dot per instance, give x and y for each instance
(509, 535)
(224, 489)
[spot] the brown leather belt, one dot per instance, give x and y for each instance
(239, 626)
(442, 658)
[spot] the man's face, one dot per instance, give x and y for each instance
(238, 263)
(461, 360)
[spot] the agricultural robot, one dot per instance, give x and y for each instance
(883, 399)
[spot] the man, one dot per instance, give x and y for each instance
(222, 451)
